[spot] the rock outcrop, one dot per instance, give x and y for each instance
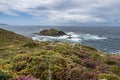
(51, 32)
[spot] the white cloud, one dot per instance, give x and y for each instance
(24, 5)
(70, 16)
(64, 11)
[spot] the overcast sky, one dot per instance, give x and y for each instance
(60, 12)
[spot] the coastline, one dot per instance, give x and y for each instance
(20, 56)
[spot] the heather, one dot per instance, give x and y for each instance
(24, 59)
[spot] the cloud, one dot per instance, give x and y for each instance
(73, 16)
(62, 11)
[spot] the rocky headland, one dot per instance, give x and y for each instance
(51, 32)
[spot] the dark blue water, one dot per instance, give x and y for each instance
(106, 39)
(110, 45)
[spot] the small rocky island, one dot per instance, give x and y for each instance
(51, 32)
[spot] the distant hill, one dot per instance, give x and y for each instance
(24, 59)
(3, 24)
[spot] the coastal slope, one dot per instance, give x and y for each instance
(23, 58)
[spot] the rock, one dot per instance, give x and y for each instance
(51, 32)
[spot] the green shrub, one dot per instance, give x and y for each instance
(108, 76)
(90, 48)
(19, 66)
(115, 69)
(111, 62)
(30, 45)
(61, 49)
(82, 75)
(4, 76)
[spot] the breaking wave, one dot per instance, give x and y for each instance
(115, 52)
(71, 36)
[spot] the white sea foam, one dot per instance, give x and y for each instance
(92, 37)
(116, 52)
(71, 36)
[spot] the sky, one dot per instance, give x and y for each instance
(60, 12)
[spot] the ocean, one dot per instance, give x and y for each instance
(106, 39)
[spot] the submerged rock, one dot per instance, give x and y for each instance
(51, 32)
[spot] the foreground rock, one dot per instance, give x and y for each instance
(51, 32)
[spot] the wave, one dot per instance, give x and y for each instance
(87, 36)
(115, 52)
(71, 36)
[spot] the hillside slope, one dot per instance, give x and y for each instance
(27, 59)
(8, 37)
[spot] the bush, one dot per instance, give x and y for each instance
(111, 62)
(108, 77)
(90, 48)
(115, 69)
(4, 76)
(82, 75)
(30, 45)
(19, 66)
(25, 78)
(89, 63)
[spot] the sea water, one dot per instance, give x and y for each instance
(106, 39)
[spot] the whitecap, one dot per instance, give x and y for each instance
(115, 52)
(92, 37)
(71, 36)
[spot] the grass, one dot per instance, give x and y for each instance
(23, 58)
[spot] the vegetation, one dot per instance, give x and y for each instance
(24, 59)
(52, 32)
(4, 76)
